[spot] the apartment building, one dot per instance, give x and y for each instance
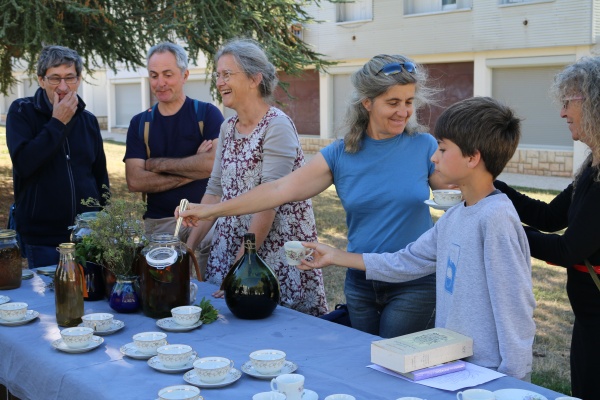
(507, 49)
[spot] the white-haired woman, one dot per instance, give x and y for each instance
(576, 210)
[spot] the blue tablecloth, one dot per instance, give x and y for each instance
(333, 358)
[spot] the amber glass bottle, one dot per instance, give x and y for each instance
(68, 287)
(251, 287)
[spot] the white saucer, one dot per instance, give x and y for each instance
(4, 299)
(168, 324)
(309, 395)
(437, 206)
(27, 274)
(30, 316)
(48, 271)
(517, 394)
(115, 326)
(155, 363)
(192, 378)
(96, 341)
(287, 368)
(131, 350)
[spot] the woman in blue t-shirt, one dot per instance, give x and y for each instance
(382, 173)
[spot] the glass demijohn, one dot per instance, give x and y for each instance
(251, 287)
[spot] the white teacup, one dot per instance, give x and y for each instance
(148, 342)
(78, 337)
(267, 361)
(340, 396)
(175, 355)
(13, 311)
(179, 392)
(476, 394)
(269, 396)
(292, 385)
(186, 315)
(447, 197)
(212, 369)
(295, 252)
(98, 321)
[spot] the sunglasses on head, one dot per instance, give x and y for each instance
(396, 68)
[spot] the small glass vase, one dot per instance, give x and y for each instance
(123, 297)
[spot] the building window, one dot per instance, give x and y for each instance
(358, 10)
(432, 6)
(448, 5)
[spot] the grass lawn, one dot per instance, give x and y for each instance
(553, 316)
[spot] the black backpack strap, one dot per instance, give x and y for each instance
(144, 128)
(200, 108)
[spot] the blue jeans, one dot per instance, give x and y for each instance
(41, 256)
(390, 309)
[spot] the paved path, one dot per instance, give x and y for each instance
(532, 181)
(536, 181)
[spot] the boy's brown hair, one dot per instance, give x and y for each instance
(482, 124)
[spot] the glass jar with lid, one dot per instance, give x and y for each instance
(82, 226)
(164, 269)
(10, 260)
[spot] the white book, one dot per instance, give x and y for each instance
(421, 349)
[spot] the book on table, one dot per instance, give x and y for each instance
(420, 350)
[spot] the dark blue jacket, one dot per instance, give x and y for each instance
(54, 167)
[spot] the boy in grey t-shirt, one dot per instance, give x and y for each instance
(478, 248)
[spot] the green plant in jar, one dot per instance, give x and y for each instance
(117, 233)
(88, 250)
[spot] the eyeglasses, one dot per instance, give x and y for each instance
(396, 68)
(55, 80)
(225, 75)
(567, 100)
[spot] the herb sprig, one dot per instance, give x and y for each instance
(209, 313)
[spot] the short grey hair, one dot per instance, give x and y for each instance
(55, 56)
(253, 60)
(175, 49)
(368, 83)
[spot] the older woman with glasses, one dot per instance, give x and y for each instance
(258, 145)
(382, 173)
(575, 209)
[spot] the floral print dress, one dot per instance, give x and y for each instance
(241, 170)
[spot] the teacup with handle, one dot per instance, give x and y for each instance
(292, 385)
(476, 394)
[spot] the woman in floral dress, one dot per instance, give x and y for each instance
(259, 144)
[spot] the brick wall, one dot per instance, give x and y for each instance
(312, 145)
(541, 162)
(526, 161)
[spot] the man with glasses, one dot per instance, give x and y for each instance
(170, 151)
(57, 155)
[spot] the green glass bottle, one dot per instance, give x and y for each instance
(251, 287)
(68, 287)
